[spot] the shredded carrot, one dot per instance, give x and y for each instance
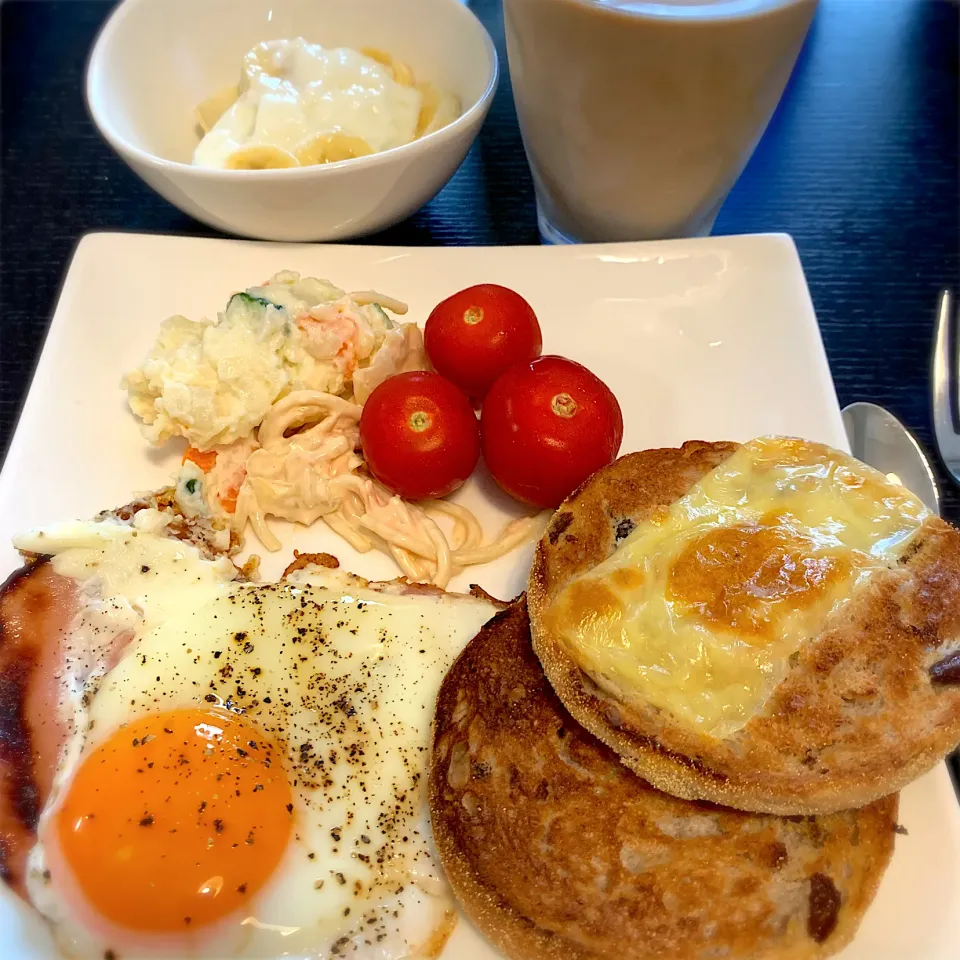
(229, 500)
(204, 459)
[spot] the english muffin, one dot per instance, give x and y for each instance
(774, 627)
(557, 851)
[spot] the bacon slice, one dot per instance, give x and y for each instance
(37, 607)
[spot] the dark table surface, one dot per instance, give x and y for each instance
(860, 164)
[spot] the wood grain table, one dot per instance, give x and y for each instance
(860, 164)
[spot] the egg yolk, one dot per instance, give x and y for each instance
(176, 820)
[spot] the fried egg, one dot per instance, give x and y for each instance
(700, 608)
(247, 779)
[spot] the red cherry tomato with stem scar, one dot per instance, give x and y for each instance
(476, 334)
(546, 426)
(419, 434)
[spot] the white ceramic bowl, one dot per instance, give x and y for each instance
(155, 60)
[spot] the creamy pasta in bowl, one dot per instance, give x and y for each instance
(262, 99)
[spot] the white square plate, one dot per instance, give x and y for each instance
(699, 339)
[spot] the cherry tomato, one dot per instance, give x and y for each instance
(419, 434)
(546, 426)
(473, 336)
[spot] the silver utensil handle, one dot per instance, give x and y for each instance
(946, 414)
(946, 399)
(941, 356)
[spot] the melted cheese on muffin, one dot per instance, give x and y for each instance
(700, 609)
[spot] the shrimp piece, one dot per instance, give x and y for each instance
(332, 332)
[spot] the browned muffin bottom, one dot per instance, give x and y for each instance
(557, 851)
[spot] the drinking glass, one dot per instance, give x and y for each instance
(638, 117)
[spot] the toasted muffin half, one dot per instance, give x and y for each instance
(781, 669)
(557, 851)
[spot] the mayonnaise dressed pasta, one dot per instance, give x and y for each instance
(307, 467)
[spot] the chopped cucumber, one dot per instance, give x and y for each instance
(384, 316)
(250, 300)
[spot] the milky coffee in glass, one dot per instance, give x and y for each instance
(637, 117)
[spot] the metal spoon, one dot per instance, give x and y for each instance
(877, 437)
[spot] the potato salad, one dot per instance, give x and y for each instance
(212, 382)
